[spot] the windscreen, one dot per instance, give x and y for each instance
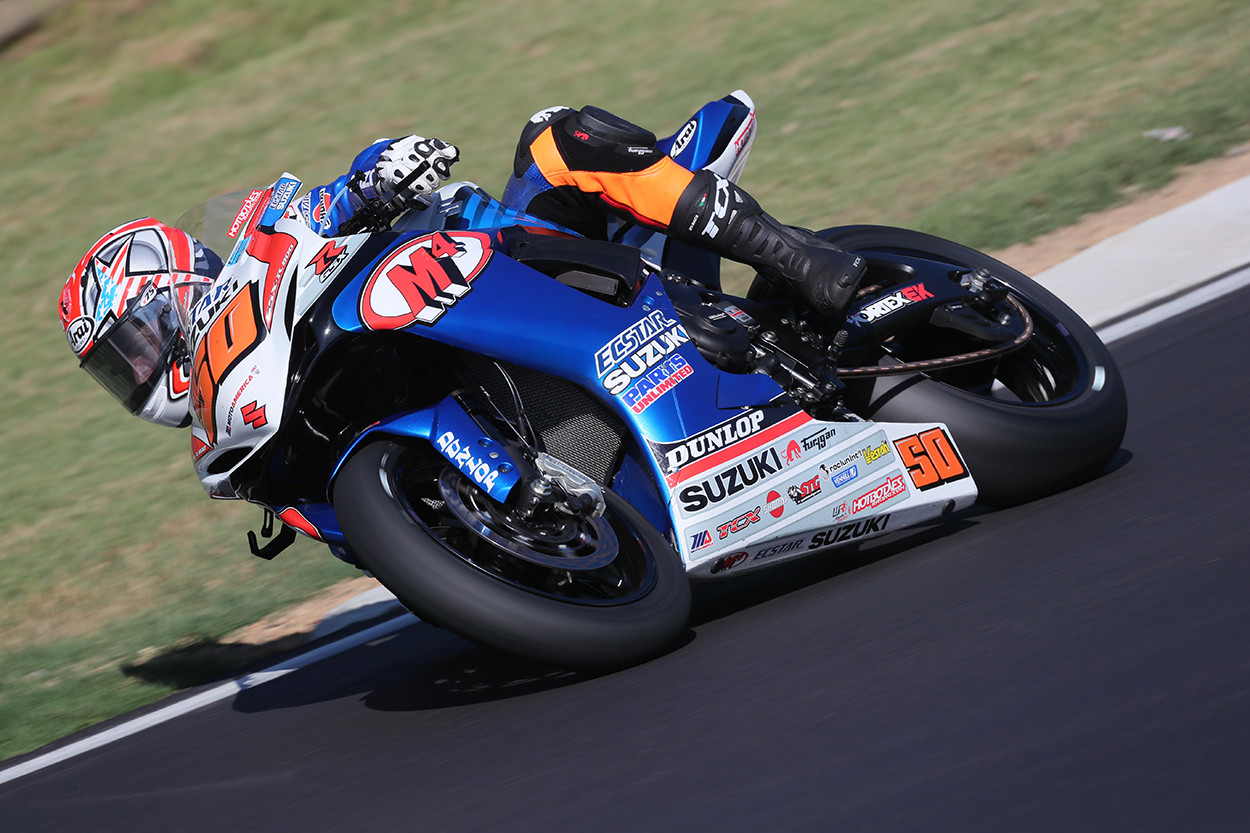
(209, 222)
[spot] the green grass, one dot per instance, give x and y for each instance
(983, 120)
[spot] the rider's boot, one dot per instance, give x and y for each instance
(716, 214)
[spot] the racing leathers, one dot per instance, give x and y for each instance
(578, 167)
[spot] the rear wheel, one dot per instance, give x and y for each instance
(598, 593)
(1029, 423)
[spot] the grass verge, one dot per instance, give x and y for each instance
(984, 121)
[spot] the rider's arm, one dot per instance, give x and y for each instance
(375, 172)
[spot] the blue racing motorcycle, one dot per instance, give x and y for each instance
(537, 440)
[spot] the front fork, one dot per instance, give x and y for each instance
(509, 470)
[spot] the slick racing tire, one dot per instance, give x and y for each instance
(608, 594)
(1038, 420)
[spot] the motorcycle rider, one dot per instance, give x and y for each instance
(573, 167)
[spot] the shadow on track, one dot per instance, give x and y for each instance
(423, 667)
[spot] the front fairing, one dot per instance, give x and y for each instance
(239, 332)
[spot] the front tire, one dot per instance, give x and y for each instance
(452, 556)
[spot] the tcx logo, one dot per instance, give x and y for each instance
(739, 523)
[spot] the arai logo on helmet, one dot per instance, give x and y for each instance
(79, 333)
(683, 138)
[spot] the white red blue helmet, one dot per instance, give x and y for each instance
(118, 312)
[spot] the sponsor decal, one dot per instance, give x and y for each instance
(820, 439)
(198, 447)
(793, 454)
(887, 491)
(643, 345)
(713, 439)
(283, 192)
(79, 333)
(882, 307)
(869, 454)
(779, 549)
(930, 458)
(581, 135)
(775, 505)
(253, 415)
(639, 151)
(728, 562)
(322, 212)
(720, 206)
(842, 534)
(235, 400)
(739, 523)
(329, 255)
(805, 491)
(245, 213)
(420, 280)
(656, 383)
(460, 453)
(845, 476)
(874, 453)
(732, 439)
(700, 540)
(684, 137)
(731, 481)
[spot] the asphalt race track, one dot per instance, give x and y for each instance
(1079, 663)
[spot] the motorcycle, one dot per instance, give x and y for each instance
(539, 440)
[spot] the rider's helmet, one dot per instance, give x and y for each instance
(119, 314)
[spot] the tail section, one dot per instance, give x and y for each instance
(718, 137)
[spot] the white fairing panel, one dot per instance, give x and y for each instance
(778, 492)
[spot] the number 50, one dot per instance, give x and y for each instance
(930, 458)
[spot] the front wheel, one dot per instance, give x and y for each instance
(602, 593)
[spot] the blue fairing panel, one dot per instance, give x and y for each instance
(452, 287)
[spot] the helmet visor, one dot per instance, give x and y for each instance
(135, 354)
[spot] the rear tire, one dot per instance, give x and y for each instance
(472, 582)
(1063, 431)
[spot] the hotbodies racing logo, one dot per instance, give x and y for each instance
(640, 364)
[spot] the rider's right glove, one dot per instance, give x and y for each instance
(430, 158)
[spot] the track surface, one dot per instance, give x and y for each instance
(1077, 663)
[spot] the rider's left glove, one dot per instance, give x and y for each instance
(431, 159)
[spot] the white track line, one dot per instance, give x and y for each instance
(204, 698)
(1108, 334)
(1184, 303)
